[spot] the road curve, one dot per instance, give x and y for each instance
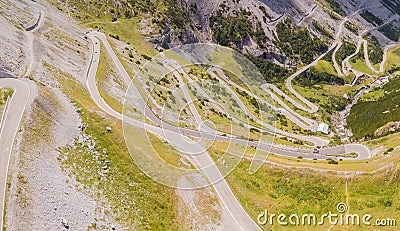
(204, 161)
(12, 117)
(346, 66)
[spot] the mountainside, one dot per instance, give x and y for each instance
(254, 27)
(259, 27)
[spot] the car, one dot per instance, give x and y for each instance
(315, 150)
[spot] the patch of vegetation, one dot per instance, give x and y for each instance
(272, 72)
(367, 116)
(361, 66)
(375, 52)
(390, 32)
(393, 70)
(266, 15)
(312, 76)
(358, 62)
(334, 5)
(392, 5)
(114, 36)
(322, 29)
(109, 174)
(284, 191)
(5, 93)
(371, 18)
(335, 103)
(167, 15)
(351, 27)
(393, 60)
(346, 50)
(174, 14)
(328, 97)
(373, 95)
(288, 191)
(230, 30)
(330, 161)
(328, 57)
(325, 66)
(297, 43)
(143, 198)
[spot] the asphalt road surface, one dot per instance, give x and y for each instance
(11, 119)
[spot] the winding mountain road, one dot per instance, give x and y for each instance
(202, 160)
(312, 107)
(346, 66)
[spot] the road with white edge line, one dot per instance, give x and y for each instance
(12, 116)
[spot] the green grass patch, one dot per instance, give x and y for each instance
(128, 31)
(393, 58)
(373, 95)
(5, 93)
(285, 191)
(325, 66)
(359, 65)
(300, 191)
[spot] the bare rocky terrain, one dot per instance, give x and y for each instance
(41, 195)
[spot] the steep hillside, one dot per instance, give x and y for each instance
(259, 27)
(285, 32)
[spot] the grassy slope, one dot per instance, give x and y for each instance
(300, 191)
(136, 200)
(367, 116)
(360, 66)
(393, 58)
(105, 70)
(128, 31)
(303, 191)
(325, 66)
